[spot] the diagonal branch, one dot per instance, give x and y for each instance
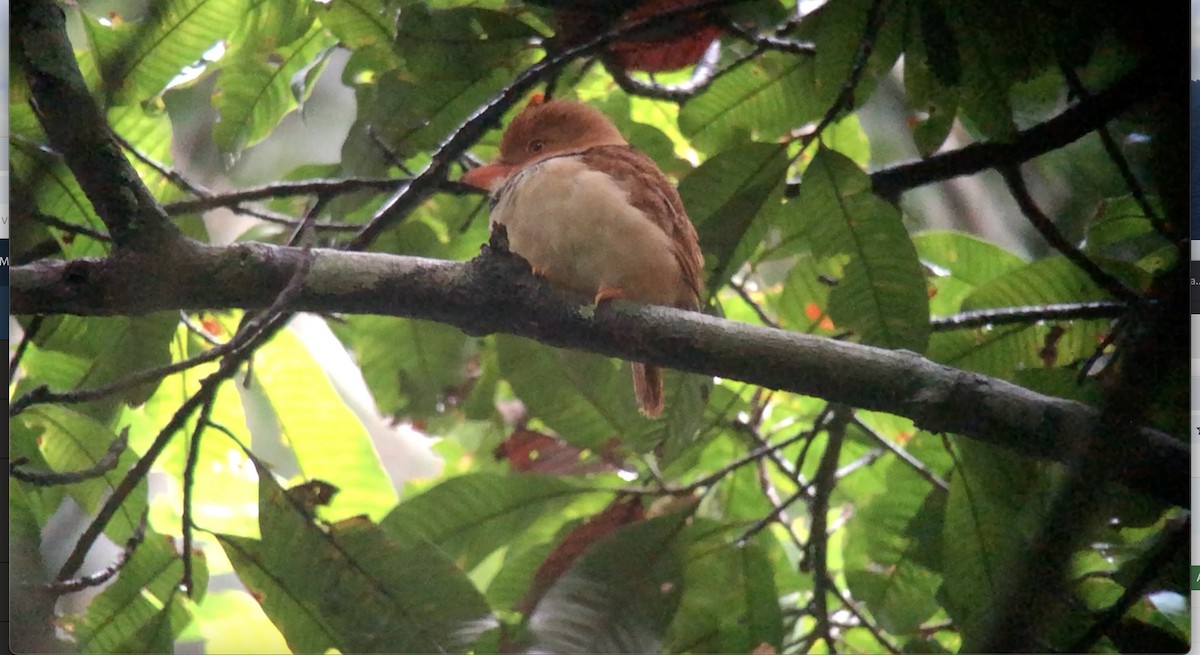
(77, 129)
(1072, 124)
(495, 293)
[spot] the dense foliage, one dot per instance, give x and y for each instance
(997, 187)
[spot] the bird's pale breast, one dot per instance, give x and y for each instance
(576, 226)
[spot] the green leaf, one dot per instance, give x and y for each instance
(883, 565)
(1122, 231)
(471, 515)
(112, 348)
(588, 399)
(409, 364)
(1003, 350)
(803, 303)
(730, 603)
(142, 611)
(351, 586)
(619, 597)
(761, 100)
(964, 256)
(724, 197)
(882, 293)
(138, 59)
(992, 513)
(360, 23)
(147, 128)
(837, 30)
(255, 92)
(328, 439)
(71, 441)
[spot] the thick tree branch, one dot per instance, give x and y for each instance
(77, 129)
(495, 293)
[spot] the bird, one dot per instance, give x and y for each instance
(594, 215)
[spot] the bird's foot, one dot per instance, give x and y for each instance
(605, 292)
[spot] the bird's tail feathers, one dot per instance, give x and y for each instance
(648, 388)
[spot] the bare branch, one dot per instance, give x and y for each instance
(496, 293)
(1069, 126)
(106, 463)
(100, 577)
(1010, 315)
(1046, 227)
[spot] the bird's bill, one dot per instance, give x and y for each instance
(488, 176)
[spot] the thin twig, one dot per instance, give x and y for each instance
(818, 541)
(98, 578)
(763, 42)
(703, 75)
(35, 325)
(67, 226)
(254, 333)
(189, 483)
(197, 329)
(1045, 227)
(904, 456)
(106, 463)
(1035, 314)
(845, 97)
(865, 623)
(1114, 153)
(320, 186)
(1072, 124)
(740, 289)
(42, 394)
(1172, 539)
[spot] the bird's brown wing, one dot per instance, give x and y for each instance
(650, 191)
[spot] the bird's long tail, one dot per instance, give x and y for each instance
(648, 388)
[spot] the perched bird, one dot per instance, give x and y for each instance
(592, 214)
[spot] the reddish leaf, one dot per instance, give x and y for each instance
(533, 452)
(684, 45)
(674, 43)
(617, 514)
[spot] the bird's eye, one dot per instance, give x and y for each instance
(536, 146)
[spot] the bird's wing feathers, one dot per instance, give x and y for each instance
(651, 192)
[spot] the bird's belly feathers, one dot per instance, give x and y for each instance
(576, 226)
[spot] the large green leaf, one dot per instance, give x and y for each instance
(470, 516)
(588, 399)
(138, 59)
(730, 603)
(143, 610)
(724, 197)
(619, 597)
(111, 349)
(964, 256)
(329, 441)
(761, 100)
(255, 92)
(409, 364)
(837, 30)
(1003, 350)
(71, 441)
(350, 585)
(882, 292)
(993, 510)
(883, 566)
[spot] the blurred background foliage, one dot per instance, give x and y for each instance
(493, 494)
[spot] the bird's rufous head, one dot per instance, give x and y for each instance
(544, 129)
